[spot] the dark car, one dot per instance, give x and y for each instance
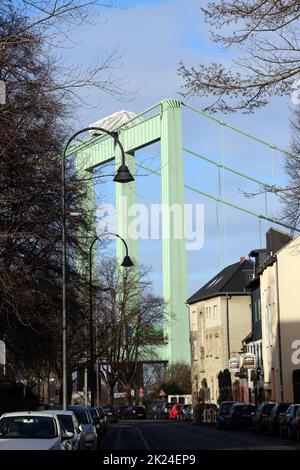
(240, 416)
(136, 412)
(121, 409)
(156, 411)
(188, 415)
(110, 413)
(273, 421)
(224, 409)
(261, 417)
(183, 413)
(165, 410)
(285, 421)
(101, 419)
(295, 426)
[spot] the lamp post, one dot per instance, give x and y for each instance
(126, 263)
(123, 175)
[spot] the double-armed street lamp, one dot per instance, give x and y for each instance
(126, 263)
(123, 175)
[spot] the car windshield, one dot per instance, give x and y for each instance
(169, 405)
(83, 417)
(282, 408)
(267, 408)
(67, 422)
(28, 427)
(226, 406)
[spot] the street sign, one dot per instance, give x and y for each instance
(141, 393)
(249, 361)
(234, 364)
(119, 395)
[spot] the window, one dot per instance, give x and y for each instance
(258, 310)
(255, 311)
(195, 350)
(269, 325)
(194, 325)
(215, 312)
(206, 312)
(202, 330)
(209, 312)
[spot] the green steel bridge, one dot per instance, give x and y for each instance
(162, 123)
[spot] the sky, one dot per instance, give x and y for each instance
(151, 37)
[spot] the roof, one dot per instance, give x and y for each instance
(59, 412)
(248, 338)
(29, 413)
(231, 279)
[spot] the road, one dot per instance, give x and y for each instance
(150, 435)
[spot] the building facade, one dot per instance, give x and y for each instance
(280, 304)
(220, 317)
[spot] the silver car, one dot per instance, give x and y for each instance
(33, 430)
(70, 424)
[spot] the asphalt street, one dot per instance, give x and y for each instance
(163, 435)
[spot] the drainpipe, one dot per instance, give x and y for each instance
(228, 297)
(279, 333)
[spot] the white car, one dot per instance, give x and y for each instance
(70, 424)
(33, 430)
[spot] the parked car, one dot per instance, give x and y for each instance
(156, 411)
(99, 421)
(224, 409)
(70, 424)
(174, 411)
(273, 421)
(102, 417)
(86, 425)
(136, 412)
(295, 426)
(110, 413)
(183, 412)
(240, 416)
(165, 410)
(285, 421)
(120, 409)
(33, 430)
(188, 415)
(261, 417)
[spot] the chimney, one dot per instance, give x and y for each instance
(242, 258)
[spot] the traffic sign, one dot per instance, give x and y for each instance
(141, 393)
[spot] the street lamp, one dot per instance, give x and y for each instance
(126, 263)
(123, 175)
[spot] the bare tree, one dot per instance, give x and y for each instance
(34, 125)
(264, 35)
(129, 325)
(177, 379)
